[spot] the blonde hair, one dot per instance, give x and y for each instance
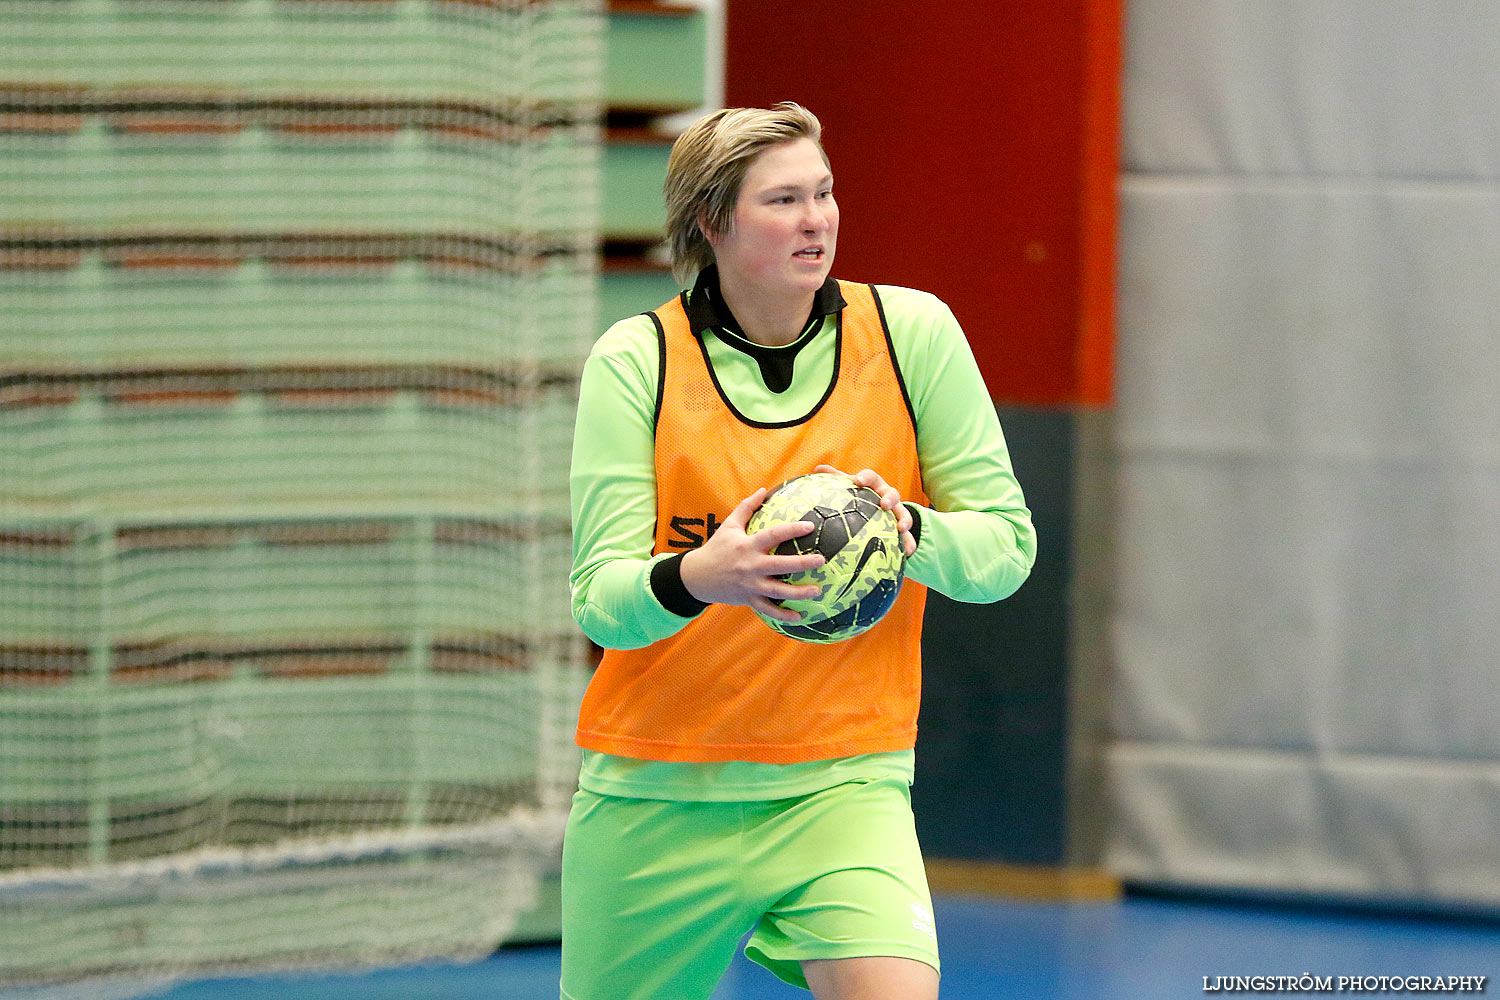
(707, 168)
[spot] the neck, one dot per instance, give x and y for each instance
(769, 320)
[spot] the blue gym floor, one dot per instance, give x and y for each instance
(1138, 949)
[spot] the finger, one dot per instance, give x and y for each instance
(776, 590)
(872, 480)
(888, 493)
(787, 565)
(909, 543)
(904, 520)
(769, 537)
(740, 516)
(830, 470)
(771, 609)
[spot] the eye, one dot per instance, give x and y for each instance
(826, 194)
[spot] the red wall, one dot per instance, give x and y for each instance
(973, 148)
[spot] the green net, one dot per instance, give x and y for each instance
(293, 298)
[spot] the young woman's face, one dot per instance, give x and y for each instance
(786, 223)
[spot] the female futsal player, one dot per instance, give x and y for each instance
(735, 781)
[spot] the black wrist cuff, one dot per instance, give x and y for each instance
(668, 588)
(916, 521)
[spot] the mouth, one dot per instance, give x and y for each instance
(811, 253)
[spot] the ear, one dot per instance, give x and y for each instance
(707, 231)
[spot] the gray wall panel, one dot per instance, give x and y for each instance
(1312, 87)
(1300, 638)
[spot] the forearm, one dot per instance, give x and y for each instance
(973, 556)
(977, 541)
(615, 605)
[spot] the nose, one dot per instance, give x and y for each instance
(818, 216)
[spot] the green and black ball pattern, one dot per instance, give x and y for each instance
(860, 543)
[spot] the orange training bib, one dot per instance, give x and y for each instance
(726, 687)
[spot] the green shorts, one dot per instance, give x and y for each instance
(656, 895)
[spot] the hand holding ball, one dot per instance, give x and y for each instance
(860, 543)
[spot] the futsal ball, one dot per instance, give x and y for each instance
(864, 561)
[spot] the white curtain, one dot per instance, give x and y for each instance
(1304, 621)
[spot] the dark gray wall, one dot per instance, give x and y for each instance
(992, 768)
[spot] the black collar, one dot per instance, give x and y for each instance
(707, 310)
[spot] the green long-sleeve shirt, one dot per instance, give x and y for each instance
(976, 541)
